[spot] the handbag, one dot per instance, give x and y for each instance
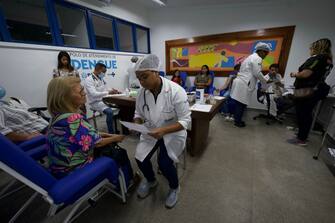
(322, 90)
(114, 151)
(303, 92)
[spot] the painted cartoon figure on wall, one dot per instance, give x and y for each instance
(221, 56)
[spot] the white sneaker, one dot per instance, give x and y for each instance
(227, 118)
(231, 118)
(143, 189)
(172, 198)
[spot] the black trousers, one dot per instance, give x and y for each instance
(304, 109)
(239, 111)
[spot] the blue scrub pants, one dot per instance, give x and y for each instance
(165, 163)
(109, 119)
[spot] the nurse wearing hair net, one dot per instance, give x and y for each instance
(132, 80)
(162, 106)
(246, 80)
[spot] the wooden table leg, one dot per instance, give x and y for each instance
(199, 135)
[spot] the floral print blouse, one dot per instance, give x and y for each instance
(71, 140)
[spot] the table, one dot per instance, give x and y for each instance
(200, 128)
(200, 120)
(126, 106)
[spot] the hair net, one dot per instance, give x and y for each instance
(149, 62)
(2, 92)
(263, 46)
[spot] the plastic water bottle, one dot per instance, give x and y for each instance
(199, 96)
(127, 92)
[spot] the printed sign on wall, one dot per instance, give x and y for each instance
(85, 62)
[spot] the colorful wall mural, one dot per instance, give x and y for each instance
(221, 56)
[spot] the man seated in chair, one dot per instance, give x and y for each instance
(274, 87)
(19, 125)
(96, 89)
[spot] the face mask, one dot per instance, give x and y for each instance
(101, 75)
(2, 92)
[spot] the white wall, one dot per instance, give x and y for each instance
(129, 10)
(26, 69)
(313, 20)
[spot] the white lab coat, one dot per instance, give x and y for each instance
(246, 80)
(133, 82)
(274, 90)
(96, 89)
(273, 87)
(171, 107)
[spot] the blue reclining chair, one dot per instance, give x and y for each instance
(36, 148)
(82, 184)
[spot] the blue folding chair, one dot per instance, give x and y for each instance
(183, 76)
(101, 175)
(210, 89)
(161, 73)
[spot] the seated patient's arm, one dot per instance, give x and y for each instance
(110, 139)
(17, 137)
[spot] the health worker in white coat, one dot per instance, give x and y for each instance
(246, 80)
(96, 89)
(161, 106)
(133, 82)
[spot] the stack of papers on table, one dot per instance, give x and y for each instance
(219, 97)
(201, 108)
(114, 95)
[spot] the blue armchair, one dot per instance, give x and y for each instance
(79, 186)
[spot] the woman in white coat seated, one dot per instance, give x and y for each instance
(162, 106)
(246, 80)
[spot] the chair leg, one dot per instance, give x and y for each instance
(316, 156)
(123, 186)
(3, 193)
(25, 205)
(115, 124)
(71, 217)
(185, 153)
(72, 212)
(95, 121)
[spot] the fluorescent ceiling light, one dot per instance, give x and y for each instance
(160, 2)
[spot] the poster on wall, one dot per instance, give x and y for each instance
(117, 66)
(85, 62)
(221, 56)
(221, 52)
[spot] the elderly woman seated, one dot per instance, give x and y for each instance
(72, 140)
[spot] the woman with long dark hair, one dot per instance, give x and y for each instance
(64, 67)
(203, 80)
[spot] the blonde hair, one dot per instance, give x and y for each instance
(322, 46)
(59, 95)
